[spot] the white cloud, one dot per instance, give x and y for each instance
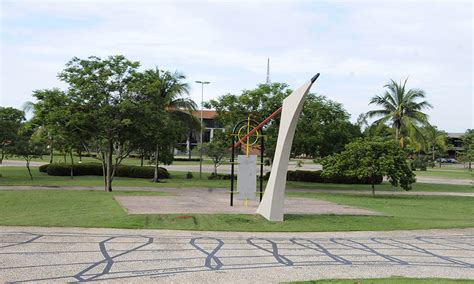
(228, 43)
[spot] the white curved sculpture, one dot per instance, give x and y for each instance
(272, 205)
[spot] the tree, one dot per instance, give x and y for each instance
(217, 149)
(369, 159)
(165, 99)
(103, 107)
(435, 140)
(10, 123)
(381, 131)
(257, 103)
(28, 145)
(323, 127)
(468, 145)
(400, 108)
(50, 113)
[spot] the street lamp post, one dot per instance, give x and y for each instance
(202, 125)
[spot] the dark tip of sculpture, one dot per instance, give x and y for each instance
(314, 78)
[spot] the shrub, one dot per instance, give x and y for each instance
(95, 169)
(221, 176)
(57, 169)
(431, 164)
(43, 168)
(89, 155)
(315, 176)
(189, 175)
(186, 159)
(419, 163)
(306, 176)
(140, 172)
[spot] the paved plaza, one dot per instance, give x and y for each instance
(202, 201)
(71, 254)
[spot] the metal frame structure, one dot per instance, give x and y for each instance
(254, 125)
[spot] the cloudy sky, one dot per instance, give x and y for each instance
(356, 46)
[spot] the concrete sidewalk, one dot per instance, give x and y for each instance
(29, 254)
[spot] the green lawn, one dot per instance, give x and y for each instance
(77, 208)
(447, 172)
(19, 176)
(391, 280)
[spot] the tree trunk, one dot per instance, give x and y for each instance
(109, 167)
(2, 155)
(215, 169)
(433, 154)
(142, 157)
(28, 168)
(157, 161)
(72, 164)
(80, 156)
(373, 188)
(51, 150)
(104, 172)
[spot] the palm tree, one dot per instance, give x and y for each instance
(169, 91)
(435, 139)
(400, 108)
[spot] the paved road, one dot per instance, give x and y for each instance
(18, 163)
(72, 254)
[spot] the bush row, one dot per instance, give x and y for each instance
(221, 176)
(186, 159)
(315, 176)
(95, 169)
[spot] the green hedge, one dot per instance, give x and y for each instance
(95, 169)
(43, 168)
(315, 176)
(140, 172)
(221, 176)
(186, 159)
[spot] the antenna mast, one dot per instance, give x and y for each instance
(268, 71)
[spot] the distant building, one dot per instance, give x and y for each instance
(211, 125)
(209, 119)
(454, 144)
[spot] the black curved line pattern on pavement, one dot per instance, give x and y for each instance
(421, 250)
(278, 257)
(237, 255)
(319, 248)
(431, 241)
(464, 243)
(36, 236)
(108, 260)
(210, 256)
(366, 248)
